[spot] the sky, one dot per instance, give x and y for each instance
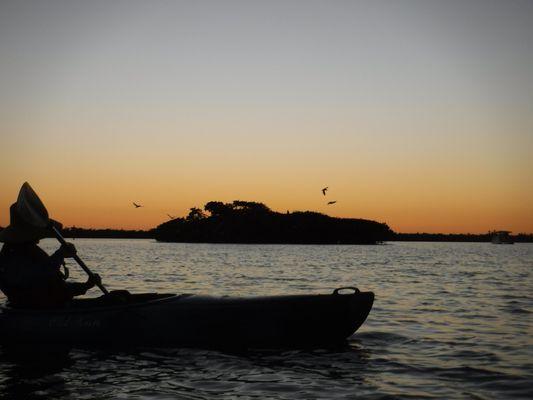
(416, 113)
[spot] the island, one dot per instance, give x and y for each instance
(252, 223)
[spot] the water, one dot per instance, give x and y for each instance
(450, 321)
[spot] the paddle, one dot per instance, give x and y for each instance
(32, 210)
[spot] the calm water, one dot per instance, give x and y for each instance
(450, 321)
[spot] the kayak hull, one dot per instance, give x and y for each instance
(193, 321)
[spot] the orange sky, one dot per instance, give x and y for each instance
(419, 117)
(429, 184)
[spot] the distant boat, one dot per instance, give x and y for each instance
(502, 237)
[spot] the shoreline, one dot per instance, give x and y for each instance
(421, 239)
(82, 233)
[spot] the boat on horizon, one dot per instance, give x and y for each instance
(501, 237)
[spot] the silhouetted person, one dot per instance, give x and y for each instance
(324, 190)
(29, 277)
(137, 205)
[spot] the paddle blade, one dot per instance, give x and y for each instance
(31, 208)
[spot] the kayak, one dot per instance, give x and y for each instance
(170, 320)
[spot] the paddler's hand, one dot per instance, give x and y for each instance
(68, 250)
(94, 280)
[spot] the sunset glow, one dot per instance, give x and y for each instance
(421, 119)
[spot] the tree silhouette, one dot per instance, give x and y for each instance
(195, 214)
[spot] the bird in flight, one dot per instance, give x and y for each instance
(171, 217)
(331, 202)
(137, 205)
(324, 190)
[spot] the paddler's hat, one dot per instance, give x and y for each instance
(19, 231)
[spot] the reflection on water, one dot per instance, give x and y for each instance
(160, 373)
(449, 321)
(34, 372)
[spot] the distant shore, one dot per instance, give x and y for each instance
(456, 237)
(80, 233)
(107, 233)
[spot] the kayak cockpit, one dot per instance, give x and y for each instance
(113, 298)
(118, 298)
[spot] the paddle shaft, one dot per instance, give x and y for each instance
(78, 260)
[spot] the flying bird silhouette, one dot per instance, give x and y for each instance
(171, 217)
(324, 190)
(137, 205)
(331, 202)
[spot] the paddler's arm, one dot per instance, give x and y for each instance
(58, 258)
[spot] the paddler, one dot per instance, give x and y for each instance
(29, 277)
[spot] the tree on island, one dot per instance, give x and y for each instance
(253, 222)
